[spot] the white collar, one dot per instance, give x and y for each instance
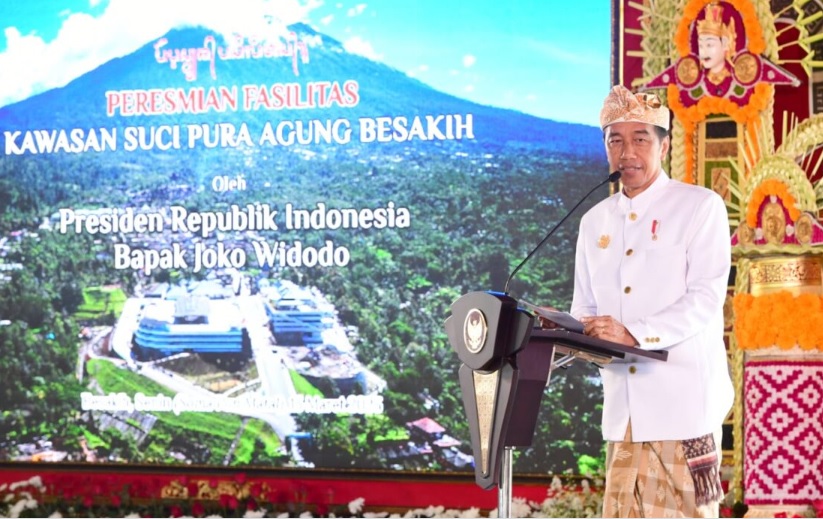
(643, 201)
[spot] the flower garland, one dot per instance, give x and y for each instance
(708, 105)
(779, 319)
(777, 175)
(770, 187)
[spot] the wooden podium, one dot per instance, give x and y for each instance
(506, 365)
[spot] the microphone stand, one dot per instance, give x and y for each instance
(613, 177)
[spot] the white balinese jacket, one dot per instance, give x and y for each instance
(659, 263)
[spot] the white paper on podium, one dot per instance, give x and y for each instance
(563, 320)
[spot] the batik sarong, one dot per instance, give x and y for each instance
(650, 479)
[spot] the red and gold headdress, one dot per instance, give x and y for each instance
(712, 25)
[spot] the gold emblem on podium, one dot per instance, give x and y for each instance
(475, 330)
(485, 393)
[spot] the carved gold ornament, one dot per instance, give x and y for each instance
(773, 223)
(746, 68)
(688, 71)
(745, 234)
(803, 228)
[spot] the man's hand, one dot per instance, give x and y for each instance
(607, 328)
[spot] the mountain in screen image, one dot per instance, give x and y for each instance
(382, 91)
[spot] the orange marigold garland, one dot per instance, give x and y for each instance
(767, 188)
(779, 319)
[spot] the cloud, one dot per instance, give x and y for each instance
(85, 42)
(23, 72)
(469, 60)
(356, 10)
(359, 46)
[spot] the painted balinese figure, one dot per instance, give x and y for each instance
(717, 61)
(715, 48)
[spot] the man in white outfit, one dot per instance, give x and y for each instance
(652, 268)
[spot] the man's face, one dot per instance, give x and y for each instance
(635, 150)
(712, 51)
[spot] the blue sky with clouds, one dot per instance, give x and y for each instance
(542, 57)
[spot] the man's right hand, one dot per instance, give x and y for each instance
(608, 328)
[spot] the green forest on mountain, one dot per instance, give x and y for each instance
(475, 213)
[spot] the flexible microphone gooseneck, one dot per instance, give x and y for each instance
(613, 177)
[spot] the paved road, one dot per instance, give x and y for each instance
(275, 380)
(124, 329)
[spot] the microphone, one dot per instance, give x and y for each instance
(613, 177)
